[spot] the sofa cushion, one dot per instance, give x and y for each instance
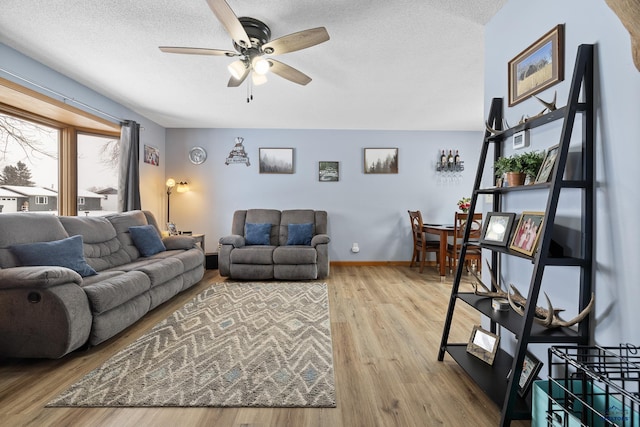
(147, 239)
(300, 234)
(102, 249)
(62, 253)
(257, 234)
(26, 227)
(115, 291)
(121, 222)
(253, 255)
(295, 255)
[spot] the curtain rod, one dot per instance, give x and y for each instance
(64, 97)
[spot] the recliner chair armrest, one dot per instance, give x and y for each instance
(320, 239)
(37, 277)
(235, 240)
(179, 242)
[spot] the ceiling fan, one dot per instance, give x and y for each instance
(252, 43)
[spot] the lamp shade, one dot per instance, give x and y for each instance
(237, 68)
(171, 183)
(183, 187)
(258, 79)
(260, 65)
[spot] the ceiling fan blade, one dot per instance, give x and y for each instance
(233, 82)
(287, 72)
(198, 51)
(230, 21)
(296, 41)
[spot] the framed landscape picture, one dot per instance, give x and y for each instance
(525, 237)
(380, 160)
(328, 171)
(538, 67)
(276, 160)
(530, 368)
(497, 228)
(151, 155)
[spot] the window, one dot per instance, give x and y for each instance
(42, 200)
(97, 174)
(54, 127)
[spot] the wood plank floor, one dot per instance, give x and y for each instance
(386, 326)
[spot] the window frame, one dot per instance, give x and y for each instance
(29, 105)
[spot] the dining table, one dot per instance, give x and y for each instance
(444, 231)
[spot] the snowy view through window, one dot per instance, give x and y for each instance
(29, 172)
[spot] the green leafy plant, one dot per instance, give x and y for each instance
(528, 163)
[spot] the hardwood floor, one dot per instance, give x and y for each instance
(386, 326)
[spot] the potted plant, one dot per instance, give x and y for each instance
(517, 167)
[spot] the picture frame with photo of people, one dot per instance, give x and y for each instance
(527, 233)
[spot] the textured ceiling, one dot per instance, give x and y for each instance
(398, 65)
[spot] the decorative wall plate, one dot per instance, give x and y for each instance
(197, 155)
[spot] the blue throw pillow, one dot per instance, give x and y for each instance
(146, 239)
(257, 234)
(300, 234)
(62, 253)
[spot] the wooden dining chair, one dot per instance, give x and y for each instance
(474, 252)
(421, 245)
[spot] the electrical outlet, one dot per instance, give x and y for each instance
(355, 248)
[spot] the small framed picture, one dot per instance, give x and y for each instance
(547, 164)
(497, 228)
(173, 231)
(483, 344)
(525, 238)
(380, 160)
(276, 160)
(328, 171)
(530, 368)
(151, 155)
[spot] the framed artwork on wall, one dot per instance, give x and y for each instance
(276, 160)
(151, 155)
(328, 171)
(380, 160)
(538, 67)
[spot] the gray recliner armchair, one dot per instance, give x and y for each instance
(271, 244)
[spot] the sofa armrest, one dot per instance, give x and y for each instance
(235, 240)
(320, 239)
(37, 277)
(179, 242)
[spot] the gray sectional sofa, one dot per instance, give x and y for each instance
(49, 311)
(271, 244)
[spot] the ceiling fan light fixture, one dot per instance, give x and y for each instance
(260, 65)
(258, 79)
(237, 68)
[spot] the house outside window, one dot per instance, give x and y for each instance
(42, 200)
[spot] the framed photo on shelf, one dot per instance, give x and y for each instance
(328, 171)
(276, 160)
(530, 368)
(380, 160)
(497, 228)
(483, 344)
(538, 67)
(525, 238)
(173, 231)
(547, 164)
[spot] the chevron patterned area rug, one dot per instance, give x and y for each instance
(235, 344)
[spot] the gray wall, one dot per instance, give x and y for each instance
(368, 209)
(617, 91)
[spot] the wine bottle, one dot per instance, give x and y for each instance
(456, 159)
(443, 159)
(450, 158)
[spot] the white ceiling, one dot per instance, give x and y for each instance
(397, 65)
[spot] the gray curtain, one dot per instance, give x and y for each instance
(129, 174)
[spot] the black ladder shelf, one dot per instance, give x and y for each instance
(492, 378)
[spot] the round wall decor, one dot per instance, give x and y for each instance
(197, 155)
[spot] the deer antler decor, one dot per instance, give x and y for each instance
(548, 317)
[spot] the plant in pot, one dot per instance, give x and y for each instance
(517, 167)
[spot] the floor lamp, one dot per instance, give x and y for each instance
(181, 187)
